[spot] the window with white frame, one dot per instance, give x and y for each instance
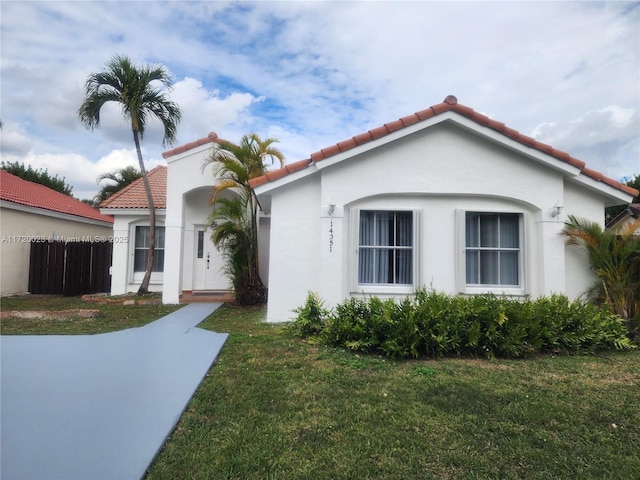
(386, 247)
(493, 249)
(142, 249)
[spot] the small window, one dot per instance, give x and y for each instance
(142, 249)
(386, 253)
(200, 243)
(493, 249)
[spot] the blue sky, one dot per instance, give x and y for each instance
(315, 73)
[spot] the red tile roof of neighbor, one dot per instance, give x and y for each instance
(450, 104)
(22, 192)
(135, 196)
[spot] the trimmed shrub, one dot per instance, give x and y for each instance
(436, 324)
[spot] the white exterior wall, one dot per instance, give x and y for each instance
(123, 279)
(19, 224)
(437, 172)
(295, 241)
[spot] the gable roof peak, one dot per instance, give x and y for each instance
(450, 104)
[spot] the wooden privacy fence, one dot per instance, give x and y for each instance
(70, 268)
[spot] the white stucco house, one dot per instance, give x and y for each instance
(446, 198)
(33, 212)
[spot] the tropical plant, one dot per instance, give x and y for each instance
(119, 179)
(134, 89)
(615, 261)
(235, 216)
(37, 176)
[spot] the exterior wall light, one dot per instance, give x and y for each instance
(332, 209)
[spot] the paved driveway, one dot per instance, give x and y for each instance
(99, 407)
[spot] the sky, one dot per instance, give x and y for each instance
(312, 74)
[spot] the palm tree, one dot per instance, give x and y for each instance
(132, 87)
(120, 178)
(615, 261)
(236, 216)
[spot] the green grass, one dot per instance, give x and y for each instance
(275, 407)
(111, 317)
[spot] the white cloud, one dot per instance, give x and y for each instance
(204, 111)
(317, 73)
(607, 139)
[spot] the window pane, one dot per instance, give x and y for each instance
(509, 231)
(140, 260)
(142, 237)
(200, 244)
(404, 264)
(509, 268)
(404, 236)
(158, 261)
(472, 267)
(367, 227)
(472, 230)
(384, 229)
(159, 237)
(365, 266)
(489, 231)
(384, 266)
(489, 267)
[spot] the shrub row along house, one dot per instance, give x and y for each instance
(445, 198)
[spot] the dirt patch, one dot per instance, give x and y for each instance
(29, 314)
(103, 299)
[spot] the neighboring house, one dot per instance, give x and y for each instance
(446, 199)
(629, 215)
(186, 262)
(32, 212)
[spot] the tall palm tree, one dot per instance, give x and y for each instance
(615, 261)
(119, 178)
(236, 216)
(133, 88)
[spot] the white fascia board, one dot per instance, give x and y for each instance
(160, 212)
(192, 151)
(615, 196)
(287, 179)
(52, 214)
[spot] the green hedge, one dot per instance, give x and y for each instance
(436, 324)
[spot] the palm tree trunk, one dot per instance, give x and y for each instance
(144, 287)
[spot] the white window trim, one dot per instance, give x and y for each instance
(461, 257)
(157, 278)
(382, 289)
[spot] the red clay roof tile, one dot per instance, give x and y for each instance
(135, 196)
(16, 190)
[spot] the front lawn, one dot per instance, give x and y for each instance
(274, 406)
(112, 317)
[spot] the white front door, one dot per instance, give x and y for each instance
(208, 263)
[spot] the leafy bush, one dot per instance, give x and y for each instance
(436, 324)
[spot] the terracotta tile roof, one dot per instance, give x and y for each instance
(212, 137)
(450, 104)
(134, 195)
(22, 192)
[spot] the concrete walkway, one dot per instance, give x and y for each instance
(99, 407)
